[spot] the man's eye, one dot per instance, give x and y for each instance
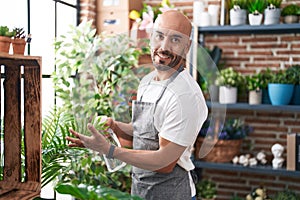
(159, 36)
(175, 40)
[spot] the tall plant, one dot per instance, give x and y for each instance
(102, 70)
(76, 166)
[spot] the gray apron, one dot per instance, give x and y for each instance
(148, 184)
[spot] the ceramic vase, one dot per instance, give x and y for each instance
(227, 95)
(272, 16)
(255, 97)
(255, 19)
(238, 17)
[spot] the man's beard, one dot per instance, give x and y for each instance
(162, 65)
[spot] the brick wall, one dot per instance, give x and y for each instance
(248, 54)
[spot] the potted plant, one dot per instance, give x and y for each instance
(256, 9)
(294, 73)
(220, 141)
(206, 189)
(19, 41)
(254, 86)
(5, 38)
(228, 81)
(266, 77)
(290, 13)
(281, 88)
(237, 12)
(273, 12)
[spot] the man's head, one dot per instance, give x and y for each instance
(170, 40)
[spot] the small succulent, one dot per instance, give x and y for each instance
(256, 6)
(4, 31)
(19, 33)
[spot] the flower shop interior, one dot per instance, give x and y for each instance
(248, 56)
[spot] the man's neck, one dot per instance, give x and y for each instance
(163, 75)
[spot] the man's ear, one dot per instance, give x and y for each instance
(187, 47)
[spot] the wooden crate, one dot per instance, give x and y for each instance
(21, 72)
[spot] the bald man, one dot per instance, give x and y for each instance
(166, 118)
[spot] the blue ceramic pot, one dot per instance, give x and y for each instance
(280, 94)
(296, 95)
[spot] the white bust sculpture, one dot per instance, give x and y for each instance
(277, 151)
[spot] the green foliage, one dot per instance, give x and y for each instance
(236, 198)
(102, 69)
(256, 6)
(254, 82)
(75, 166)
(286, 195)
(84, 192)
(4, 31)
(266, 77)
(294, 73)
(274, 3)
(242, 4)
(291, 9)
(283, 77)
(206, 189)
(229, 77)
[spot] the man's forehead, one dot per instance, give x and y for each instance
(170, 32)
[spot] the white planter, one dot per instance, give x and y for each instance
(255, 20)
(272, 16)
(227, 95)
(255, 97)
(238, 16)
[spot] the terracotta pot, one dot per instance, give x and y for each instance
(4, 44)
(19, 46)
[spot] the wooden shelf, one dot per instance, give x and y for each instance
(248, 29)
(239, 168)
(260, 107)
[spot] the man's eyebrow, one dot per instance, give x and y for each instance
(173, 35)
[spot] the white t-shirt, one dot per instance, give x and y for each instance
(179, 114)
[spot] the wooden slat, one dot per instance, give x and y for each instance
(12, 123)
(28, 185)
(32, 128)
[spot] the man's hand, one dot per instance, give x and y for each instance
(96, 141)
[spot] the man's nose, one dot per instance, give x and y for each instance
(165, 44)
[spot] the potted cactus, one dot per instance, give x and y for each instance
(19, 41)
